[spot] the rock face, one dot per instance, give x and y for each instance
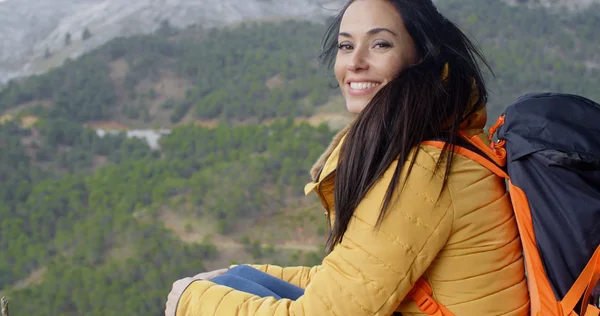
(33, 30)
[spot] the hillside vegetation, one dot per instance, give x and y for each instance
(254, 71)
(97, 234)
(532, 50)
(103, 225)
(258, 71)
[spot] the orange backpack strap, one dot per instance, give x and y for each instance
(474, 149)
(540, 291)
(583, 287)
(543, 301)
(492, 157)
(421, 294)
(592, 311)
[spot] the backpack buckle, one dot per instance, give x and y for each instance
(428, 305)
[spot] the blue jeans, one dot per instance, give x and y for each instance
(250, 280)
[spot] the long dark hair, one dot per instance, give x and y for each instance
(415, 106)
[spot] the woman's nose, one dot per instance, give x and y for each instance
(358, 61)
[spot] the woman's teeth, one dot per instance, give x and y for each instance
(363, 85)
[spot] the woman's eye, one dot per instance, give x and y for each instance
(344, 46)
(382, 45)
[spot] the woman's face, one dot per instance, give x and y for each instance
(373, 46)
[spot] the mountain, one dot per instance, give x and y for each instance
(33, 30)
(109, 214)
(30, 29)
(250, 73)
(196, 74)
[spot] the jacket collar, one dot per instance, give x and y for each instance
(318, 168)
(328, 160)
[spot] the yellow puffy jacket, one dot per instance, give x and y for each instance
(466, 245)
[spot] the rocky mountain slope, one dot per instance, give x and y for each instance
(31, 30)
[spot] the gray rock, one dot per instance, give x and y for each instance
(30, 27)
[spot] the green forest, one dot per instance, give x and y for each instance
(96, 225)
(96, 232)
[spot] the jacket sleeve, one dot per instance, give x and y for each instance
(370, 272)
(298, 276)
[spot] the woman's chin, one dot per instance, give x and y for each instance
(355, 107)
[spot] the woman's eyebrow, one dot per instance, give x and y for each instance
(370, 32)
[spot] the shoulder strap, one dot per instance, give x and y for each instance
(462, 142)
(473, 150)
(542, 297)
(422, 292)
(583, 287)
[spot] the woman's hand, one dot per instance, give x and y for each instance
(180, 285)
(210, 275)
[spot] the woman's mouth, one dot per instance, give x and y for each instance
(358, 88)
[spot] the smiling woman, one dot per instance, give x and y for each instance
(374, 46)
(405, 217)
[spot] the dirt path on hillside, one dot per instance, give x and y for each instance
(232, 244)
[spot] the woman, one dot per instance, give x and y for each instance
(399, 209)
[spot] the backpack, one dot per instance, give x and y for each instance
(548, 150)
